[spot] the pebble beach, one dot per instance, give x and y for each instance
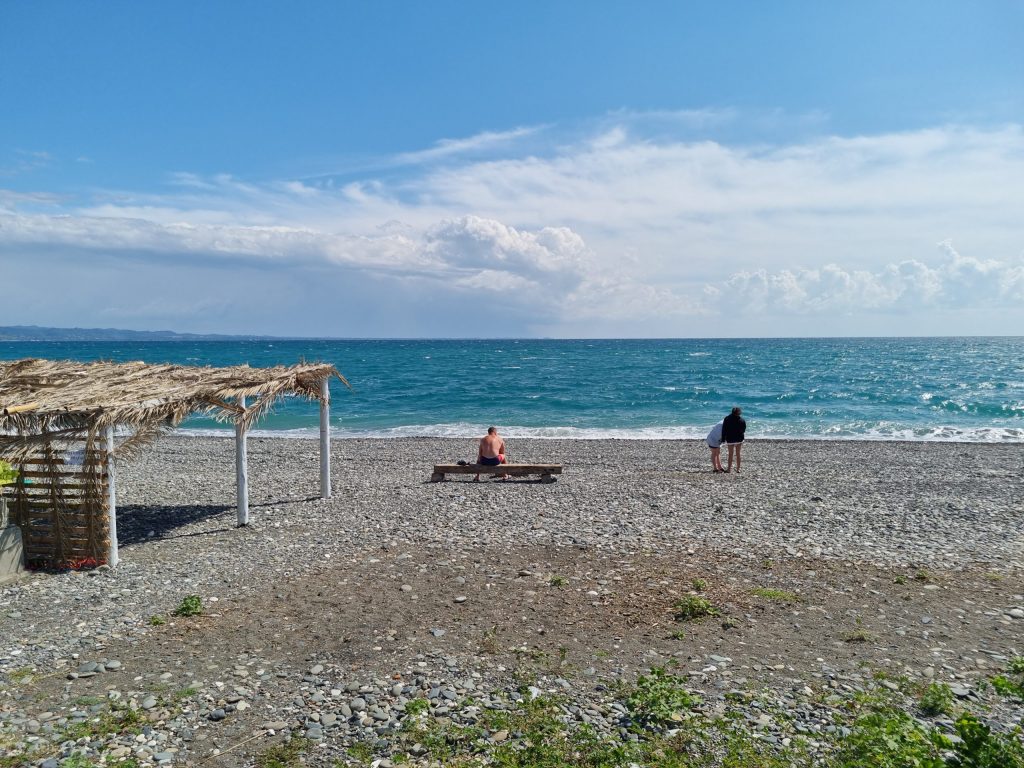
(323, 619)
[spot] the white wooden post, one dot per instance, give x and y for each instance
(242, 469)
(112, 554)
(325, 439)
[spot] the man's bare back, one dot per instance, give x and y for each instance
(492, 446)
(492, 450)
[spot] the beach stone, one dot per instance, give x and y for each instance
(217, 715)
(1016, 613)
(149, 702)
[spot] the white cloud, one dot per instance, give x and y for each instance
(957, 282)
(448, 148)
(616, 225)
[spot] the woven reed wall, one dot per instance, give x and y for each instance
(61, 508)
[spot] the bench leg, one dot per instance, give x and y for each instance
(437, 477)
(547, 478)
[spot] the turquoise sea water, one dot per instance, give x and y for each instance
(906, 389)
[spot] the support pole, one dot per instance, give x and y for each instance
(325, 439)
(112, 552)
(242, 469)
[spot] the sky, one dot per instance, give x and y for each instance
(581, 168)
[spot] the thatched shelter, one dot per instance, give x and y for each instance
(57, 426)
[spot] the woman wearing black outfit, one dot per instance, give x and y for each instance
(733, 427)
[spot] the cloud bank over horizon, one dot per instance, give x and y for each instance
(622, 229)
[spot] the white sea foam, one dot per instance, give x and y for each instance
(877, 432)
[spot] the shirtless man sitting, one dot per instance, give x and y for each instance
(492, 451)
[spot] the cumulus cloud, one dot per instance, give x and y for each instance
(956, 282)
(616, 225)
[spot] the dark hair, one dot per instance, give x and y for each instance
(737, 411)
(491, 430)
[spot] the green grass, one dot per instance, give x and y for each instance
(417, 706)
(858, 636)
(1011, 685)
(936, 700)
(191, 605)
(156, 621)
(659, 697)
(693, 607)
(558, 581)
(286, 754)
(776, 594)
(698, 585)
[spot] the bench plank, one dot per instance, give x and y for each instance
(514, 470)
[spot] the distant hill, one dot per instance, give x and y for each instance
(39, 333)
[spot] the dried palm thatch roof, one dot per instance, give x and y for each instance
(47, 400)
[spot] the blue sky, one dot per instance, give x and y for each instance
(558, 169)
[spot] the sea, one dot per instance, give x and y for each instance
(910, 389)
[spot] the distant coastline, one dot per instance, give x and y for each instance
(42, 333)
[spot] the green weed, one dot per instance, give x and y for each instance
(286, 754)
(937, 699)
(693, 607)
(191, 605)
(659, 698)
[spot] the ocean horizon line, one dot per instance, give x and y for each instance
(225, 338)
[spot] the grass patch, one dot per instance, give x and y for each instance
(776, 594)
(21, 675)
(858, 636)
(286, 754)
(937, 699)
(191, 605)
(668, 729)
(659, 698)
(156, 621)
(119, 720)
(558, 581)
(417, 706)
(693, 607)
(1011, 685)
(698, 585)
(489, 642)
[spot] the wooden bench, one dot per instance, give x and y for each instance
(546, 471)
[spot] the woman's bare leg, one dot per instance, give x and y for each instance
(732, 450)
(739, 452)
